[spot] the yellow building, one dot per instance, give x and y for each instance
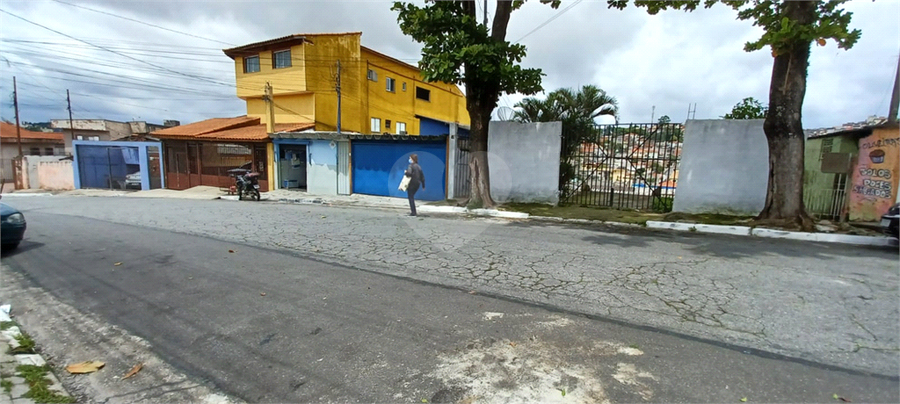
(379, 94)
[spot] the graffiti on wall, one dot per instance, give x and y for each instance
(875, 179)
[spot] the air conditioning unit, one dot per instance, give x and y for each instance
(402, 133)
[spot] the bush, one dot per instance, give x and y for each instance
(662, 204)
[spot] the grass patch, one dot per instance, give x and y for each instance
(39, 385)
(583, 212)
(6, 385)
(709, 218)
(26, 344)
(5, 325)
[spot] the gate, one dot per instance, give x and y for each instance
(631, 166)
(106, 166)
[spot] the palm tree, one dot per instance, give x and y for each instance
(577, 111)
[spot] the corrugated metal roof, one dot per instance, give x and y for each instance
(317, 135)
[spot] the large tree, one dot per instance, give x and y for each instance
(457, 48)
(748, 108)
(789, 29)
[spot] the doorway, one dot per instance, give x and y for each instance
(292, 166)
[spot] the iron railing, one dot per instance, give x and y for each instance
(631, 166)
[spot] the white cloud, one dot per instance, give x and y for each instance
(666, 61)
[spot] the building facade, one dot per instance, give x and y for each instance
(379, 94)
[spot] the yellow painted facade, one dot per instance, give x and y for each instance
(305, 91)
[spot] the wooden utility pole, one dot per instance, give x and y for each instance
(71, 125)
(895, 98)
(16, 106)
(337, 88)
(270, 108)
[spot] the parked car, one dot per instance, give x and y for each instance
(12, 227)
(890, 221)
(133, 180)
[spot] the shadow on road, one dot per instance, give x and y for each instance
(718, 245)
(25, 246)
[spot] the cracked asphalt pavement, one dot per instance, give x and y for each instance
(826, 304)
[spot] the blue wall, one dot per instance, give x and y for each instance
(431, 127)
(378, 167)
(92, 162)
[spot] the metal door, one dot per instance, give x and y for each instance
(343, 161)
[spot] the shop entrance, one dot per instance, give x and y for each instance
(292, 166)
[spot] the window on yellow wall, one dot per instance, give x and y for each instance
(423, 94)
(376, 125)
(251, 64)
(404, 86)
(372, 75)
(401, 128)
(387, 123)
(390, 84)
(281, 59)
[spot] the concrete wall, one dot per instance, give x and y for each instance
(876, 176)
(56, 175)
(524, 161)
(322, 168)
(724, 167)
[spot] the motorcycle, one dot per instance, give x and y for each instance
(246, 183)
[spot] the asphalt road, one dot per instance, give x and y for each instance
(342, 333)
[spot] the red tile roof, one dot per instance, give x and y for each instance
(195, 129)
(254, 133)
(8, 133)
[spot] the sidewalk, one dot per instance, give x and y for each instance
(25, 378)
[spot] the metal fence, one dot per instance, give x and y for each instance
(631, 166)
(462, 183)
(827, 203)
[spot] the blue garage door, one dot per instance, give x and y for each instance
(106, 166)
(378, 167)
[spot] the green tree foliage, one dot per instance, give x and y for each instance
(749, 108)
(457, 49)
(577, 110)
(789, 29)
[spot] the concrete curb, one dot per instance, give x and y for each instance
(780, 234)
(9, 362)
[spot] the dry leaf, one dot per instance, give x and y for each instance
(231, 251)
(262, 294)
(846, 400)
(85, 367)
(512, 344)
(472, 292)
(134, 370)
(118, 263)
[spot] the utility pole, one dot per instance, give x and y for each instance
(485, 14)
(16, 106)
(270, 108)
(895, 98)
(337, 88)
(652, 114)
(71, 125)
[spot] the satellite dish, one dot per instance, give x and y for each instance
(506, 113)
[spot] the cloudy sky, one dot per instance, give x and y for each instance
(131, 60)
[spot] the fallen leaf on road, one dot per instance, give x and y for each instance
(835, 396)
(846, 400)
(137, 368)
(231, 251)
(472, 292)
(512, 344)
(85, 367)
(324, 217)
(118, 264)
(262, 294)
(744, 400)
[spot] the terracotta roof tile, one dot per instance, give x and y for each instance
(254, 132)
(8, 132)
(195, 129)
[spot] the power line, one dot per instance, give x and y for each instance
(549, 20)
(144, 23)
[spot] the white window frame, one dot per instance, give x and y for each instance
(275, 59)
(376, 125)
(390, 84)
(258, 66)
(401, 128)
(404, 86)
(372, 75)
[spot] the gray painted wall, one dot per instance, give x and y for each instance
(724, 167)
(322, 174)
(524, 161)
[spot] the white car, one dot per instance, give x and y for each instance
(133, 180)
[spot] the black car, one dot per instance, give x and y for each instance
(889, 222)
(12, 226)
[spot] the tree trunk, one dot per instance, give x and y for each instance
(479, 172)
(784, 128)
